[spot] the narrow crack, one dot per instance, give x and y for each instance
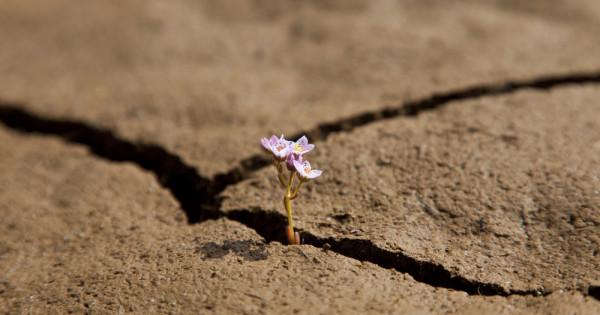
(194, 192)
(270, 224)
(199, 198)
(411, 108)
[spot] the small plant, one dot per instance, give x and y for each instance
(290, 155)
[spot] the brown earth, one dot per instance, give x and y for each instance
(499, 190)
(181, 75)
(440, 196)
(74, 242)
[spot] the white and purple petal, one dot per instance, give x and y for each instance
(266, 144)
(279, 147)
(302, 141)
(314, 174)
(305, 171)
(301, 146)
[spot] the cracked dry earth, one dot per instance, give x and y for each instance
(460, 143)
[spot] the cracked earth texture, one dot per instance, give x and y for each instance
(460, 143)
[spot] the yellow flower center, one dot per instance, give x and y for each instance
(297, 148)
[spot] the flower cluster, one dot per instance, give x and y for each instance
(290, 154)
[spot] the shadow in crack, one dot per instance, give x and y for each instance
(271, 226)
(195, 193)
(268, 224)
(411, 108)
(248, 249)
(594, 291)
(198, 196)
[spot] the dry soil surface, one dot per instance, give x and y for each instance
(460, 142)
(75, 243)
(499, 190)
(182, 73)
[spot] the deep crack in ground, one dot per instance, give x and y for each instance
(199, 197)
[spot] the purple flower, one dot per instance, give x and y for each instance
(279, 147)
(268, 143)
(301, 146)
(291, 158)
(305, 171)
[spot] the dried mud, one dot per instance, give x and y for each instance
(459, 142)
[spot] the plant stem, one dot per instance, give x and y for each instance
(279, 173)
(281, 180)
(287, 203)
(295, 193)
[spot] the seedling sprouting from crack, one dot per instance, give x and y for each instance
(290, 155)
